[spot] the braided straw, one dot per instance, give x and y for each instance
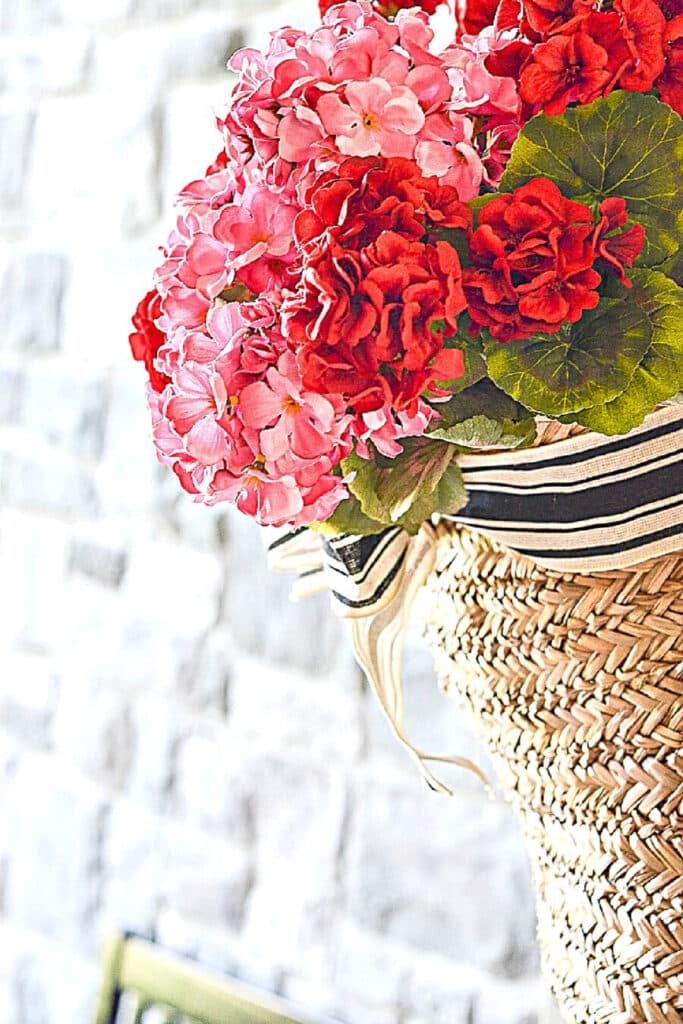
(576, 684)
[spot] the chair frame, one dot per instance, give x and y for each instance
(180, 987)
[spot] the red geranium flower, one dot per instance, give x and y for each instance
(533, 257)
(670, 82)
(147, 339)
(642, 27)
(380, 290)
(474, 15)
(616, 247)
(563, 70)
(543, 17)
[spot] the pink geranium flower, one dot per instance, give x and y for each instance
(292, 421)
(258, 236)
(384, 428)
(270, 501)
(196, 411)
(376, 118)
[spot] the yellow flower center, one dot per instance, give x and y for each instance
(371, 123)
(291, 406)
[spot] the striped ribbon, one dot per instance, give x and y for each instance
(586, 504)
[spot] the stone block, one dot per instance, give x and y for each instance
(463, 891)
(204, 877)
(98, 555)
(93, 730)
(509, 1003)
(94, 168)
(156, 730)
(43, 479)
(33, 560)
(131, 866)
(77, 404)
(276, 709)
(369, 968)
(203, 679)
(17, 129)
(212, 786)
(33, 286)
(55, 822)
(440, 991)
(160, 55)
(46, 62)
(28, 696)
(293, 903)
(129, 474)
(304, 635)
(11, 394)
(41, 983)
(140, 635)
(79, 11)
(29, 15)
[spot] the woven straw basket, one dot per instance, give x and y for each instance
(576, 685)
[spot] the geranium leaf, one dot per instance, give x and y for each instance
(627, 145)
(673, 267)
(407, 490)
(583, 365)
(483, 416)
(348, 517)
(660, 373)
(482, 432)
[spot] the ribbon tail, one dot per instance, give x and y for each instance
(378, 646)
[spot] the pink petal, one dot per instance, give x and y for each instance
(337, 117)
(206, 441)
(403, 113)
(259, 406)
(369, 97)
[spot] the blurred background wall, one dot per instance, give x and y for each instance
(182, 751)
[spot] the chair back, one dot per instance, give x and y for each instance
(141, 982)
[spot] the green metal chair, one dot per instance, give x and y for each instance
(177, 989)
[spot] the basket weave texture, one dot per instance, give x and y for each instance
(576, 685)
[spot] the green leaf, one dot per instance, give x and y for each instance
(348, 517)
(483, 416)
(673, 267)
(482, 432)
(407, 490)
(628, 145)
(660, 373)
(584, 364)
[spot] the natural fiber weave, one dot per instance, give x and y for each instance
(576, 684)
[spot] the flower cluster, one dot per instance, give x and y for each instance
(573, 51)
(362, 85)
(535, 255)
(388, 8)
(361, 94)
(328, 295)
(379, 290)
(236, 423)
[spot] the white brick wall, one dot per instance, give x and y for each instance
(182, 751)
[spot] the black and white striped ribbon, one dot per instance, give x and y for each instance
(586, 504)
